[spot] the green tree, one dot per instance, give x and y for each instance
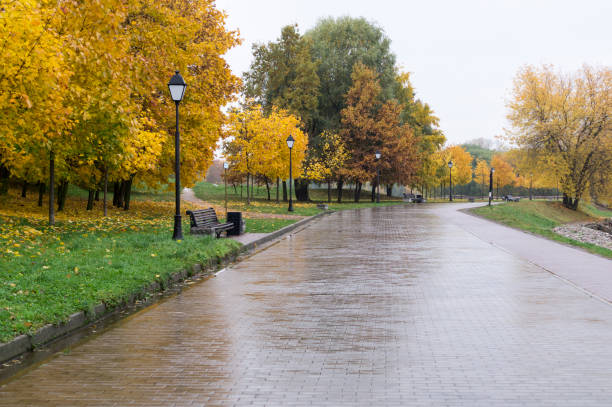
(339, 44)
(283, 75)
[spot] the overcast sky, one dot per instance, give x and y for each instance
(462, 54)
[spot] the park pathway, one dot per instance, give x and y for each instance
(387, 306)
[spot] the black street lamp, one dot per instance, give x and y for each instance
(177, 89)
(450, 174)
(491, 184)
(377, 155)
(225, 167)
(290, 142)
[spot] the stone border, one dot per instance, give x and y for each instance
(49, 333)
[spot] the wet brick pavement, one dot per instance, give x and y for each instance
(388, 306)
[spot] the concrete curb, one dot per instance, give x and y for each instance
(49, 333)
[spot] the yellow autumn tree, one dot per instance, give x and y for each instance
(462, 164)
(568, 116)
(256, 145)
(33, 84)
(329, 160)
(189, 36)
(481, 175)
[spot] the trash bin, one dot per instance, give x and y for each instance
(239, 225)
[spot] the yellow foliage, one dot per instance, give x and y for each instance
(257, 145)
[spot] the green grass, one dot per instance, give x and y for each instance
(74, 271)
(216, 194)
(139, 193)
(267, 225)
(541, 217)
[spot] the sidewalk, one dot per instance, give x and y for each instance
(585, 270)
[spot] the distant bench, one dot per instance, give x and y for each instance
(204, 221)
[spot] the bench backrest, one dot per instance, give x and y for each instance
(203, 217)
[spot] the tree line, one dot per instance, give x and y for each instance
(341, 81)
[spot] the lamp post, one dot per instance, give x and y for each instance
(177, 89)
(290, 142)
(377, 155)
(491, 184)
(225, 167)
(530, 186)
(450, 174)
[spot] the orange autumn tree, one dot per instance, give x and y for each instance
(370, 124)
(504, 173)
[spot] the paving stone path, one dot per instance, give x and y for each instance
(388, 306)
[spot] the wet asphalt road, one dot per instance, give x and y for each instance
(385, 306)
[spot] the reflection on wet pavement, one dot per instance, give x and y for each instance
(386, 306)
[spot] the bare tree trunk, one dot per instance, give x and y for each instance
(61, 195)
(339, 186)
(329, 191)
(105, 192)
(357, 191)
(285, 198)
(4, 180)
(24, 189)
(374, 186)
(248, 197)
(97, 197)
(120, 192)
(268, 188)
(41, 192)
(116, 193)
(51, 188)
(127, 193)
(277, 189)
(90, 199)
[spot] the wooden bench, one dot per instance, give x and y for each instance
(204, 221)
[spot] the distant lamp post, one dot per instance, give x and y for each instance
(377, 155)
(225, 167)
(290, 142)
(491, 184)
(177, 89)
(450, 174)
(530, 186)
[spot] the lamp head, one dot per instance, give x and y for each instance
(377, 154)
(177, 87)
(450, 164)
(226, 165)
(290, 142)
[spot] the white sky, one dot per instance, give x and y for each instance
(462, 54)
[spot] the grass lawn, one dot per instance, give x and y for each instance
(48, 273)
(216, 194)
(541, 217)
